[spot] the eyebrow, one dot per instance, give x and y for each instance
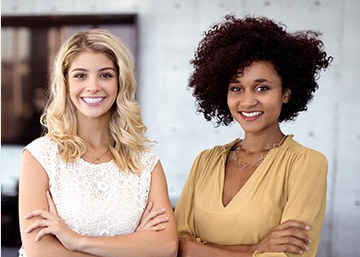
(260, 80)
(102, 69)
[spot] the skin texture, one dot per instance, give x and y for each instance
(93, 87)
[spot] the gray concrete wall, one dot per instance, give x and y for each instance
(169, 31)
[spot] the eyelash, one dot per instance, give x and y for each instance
(105, 75)
(260, 88)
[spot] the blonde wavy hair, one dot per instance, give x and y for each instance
(127, 131)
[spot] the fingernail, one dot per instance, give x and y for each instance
(307, 227)
(300, 252)
(306, 248)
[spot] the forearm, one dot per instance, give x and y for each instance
(50, 246)
(236, 248)
(190, 248)
(143, 243)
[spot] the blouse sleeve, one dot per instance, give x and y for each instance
(306, 200)
(184, 211)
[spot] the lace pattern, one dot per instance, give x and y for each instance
(94, 199)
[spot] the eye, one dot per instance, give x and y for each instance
(262, 88)
(234, 88)
(106, 75)
(79, 75)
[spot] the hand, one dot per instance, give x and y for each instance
(150, 219)
(186, 244)
(50, 223)
(289, 237)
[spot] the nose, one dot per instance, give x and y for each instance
(248, 99)
(92, 85)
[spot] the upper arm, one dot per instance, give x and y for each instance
(184, 211)
(33, 183)
(307, 195)
(160, 198)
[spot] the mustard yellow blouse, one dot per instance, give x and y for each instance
(290, 184)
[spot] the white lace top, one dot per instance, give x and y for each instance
(94, 199)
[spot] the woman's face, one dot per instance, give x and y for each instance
(93, 85)
(255, 97)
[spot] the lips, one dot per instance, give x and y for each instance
(249, 116)
(93, 100)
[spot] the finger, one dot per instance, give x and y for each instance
(294, 249)
(295, 233)
(146, 211)
(39, 213)
(151, 215)
(149, 207)
(37, 224)
(42, 232)
(158, 228)
(293, 224)
(290, 244)
(51, 204)
(156, 213)
(157, 221)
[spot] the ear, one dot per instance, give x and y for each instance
(286, 96)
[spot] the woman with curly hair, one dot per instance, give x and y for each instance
(91, 186)
(265, 194)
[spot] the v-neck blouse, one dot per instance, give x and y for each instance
(290, 184)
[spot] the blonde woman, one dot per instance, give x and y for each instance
(91, 186)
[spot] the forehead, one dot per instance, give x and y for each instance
(256, 70)
(91, 60)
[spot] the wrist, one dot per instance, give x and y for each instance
(82, 244)
(253, 248)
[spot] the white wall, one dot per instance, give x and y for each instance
(169, 31)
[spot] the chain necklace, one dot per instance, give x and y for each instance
(255, 163)
(97, 159)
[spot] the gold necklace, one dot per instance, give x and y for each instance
(97, 159)
(255, 163)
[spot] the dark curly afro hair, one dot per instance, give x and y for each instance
(228, 47)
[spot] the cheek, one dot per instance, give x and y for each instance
(232, 103)
(73, 92)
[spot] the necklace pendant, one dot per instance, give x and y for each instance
(97, 159)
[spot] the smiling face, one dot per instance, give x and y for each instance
(93, 85)
(255, 98)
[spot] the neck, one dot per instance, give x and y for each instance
(94, 134)
(253, 143)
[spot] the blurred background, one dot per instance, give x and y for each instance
(163, 35)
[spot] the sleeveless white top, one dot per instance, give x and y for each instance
(94, 199)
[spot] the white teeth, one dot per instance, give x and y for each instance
(250, 114)
(92, 100)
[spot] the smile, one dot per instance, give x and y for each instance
(250, 114)
(93, 100)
